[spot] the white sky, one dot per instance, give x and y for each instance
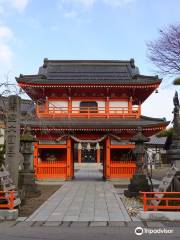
(159, 104)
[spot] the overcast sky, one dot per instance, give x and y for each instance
(31, 30)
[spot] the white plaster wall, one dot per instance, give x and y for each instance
(61, 105)
(118, 103)
(76, 104)
(115, 104)
(101, 105)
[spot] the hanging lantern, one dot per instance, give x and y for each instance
(97, 146)
(79, 146)
(88, 147)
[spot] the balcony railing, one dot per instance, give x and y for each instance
(89, 112)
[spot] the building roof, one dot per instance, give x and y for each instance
(88, 72)
(97, 123)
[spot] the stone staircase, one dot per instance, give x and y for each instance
(165, 184)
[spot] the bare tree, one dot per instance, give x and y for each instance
(165, 51)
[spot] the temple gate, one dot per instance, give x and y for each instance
(87, 111)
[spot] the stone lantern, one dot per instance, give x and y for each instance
(173, 153)
(139, 181)
(27, 184)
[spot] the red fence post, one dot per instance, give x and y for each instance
(145, 201)
(11, 199)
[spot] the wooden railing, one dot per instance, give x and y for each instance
(7, 199)
(52, 169)
(122, 169)
(166, 202)
(89, 112)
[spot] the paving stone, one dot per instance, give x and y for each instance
(66, 224)
(38, 223)
(80, 224)
(70, 218)
(98, 224)
(52, 224)
(24, 224)
(86, 219)
(171, 223)
(155, 224)
(116, 224)
(135, 224)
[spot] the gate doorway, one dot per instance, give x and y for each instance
(88, 161)
(88, 156)
(107, 159)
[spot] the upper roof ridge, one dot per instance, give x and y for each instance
(130, 62)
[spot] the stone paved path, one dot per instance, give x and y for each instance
(90, 172)
(92, 200)
(82, 201)
(87, 198)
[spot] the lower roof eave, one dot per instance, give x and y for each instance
(102, 128)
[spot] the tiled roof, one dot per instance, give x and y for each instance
(88, 72)
(80, 123)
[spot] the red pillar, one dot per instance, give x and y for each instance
(107, 107)
(35, 158)
(107, 158)
(130, 106)
(79, 153)
(69, 159)
(139, 110)
(98, 153)
(69, 107)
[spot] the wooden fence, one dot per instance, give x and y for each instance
(122, 169)
(57, 169)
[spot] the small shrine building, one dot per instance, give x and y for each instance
(87, 111)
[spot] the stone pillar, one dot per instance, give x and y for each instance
(12, 137)
(139, 181)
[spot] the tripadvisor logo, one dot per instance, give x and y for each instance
(139, 231)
